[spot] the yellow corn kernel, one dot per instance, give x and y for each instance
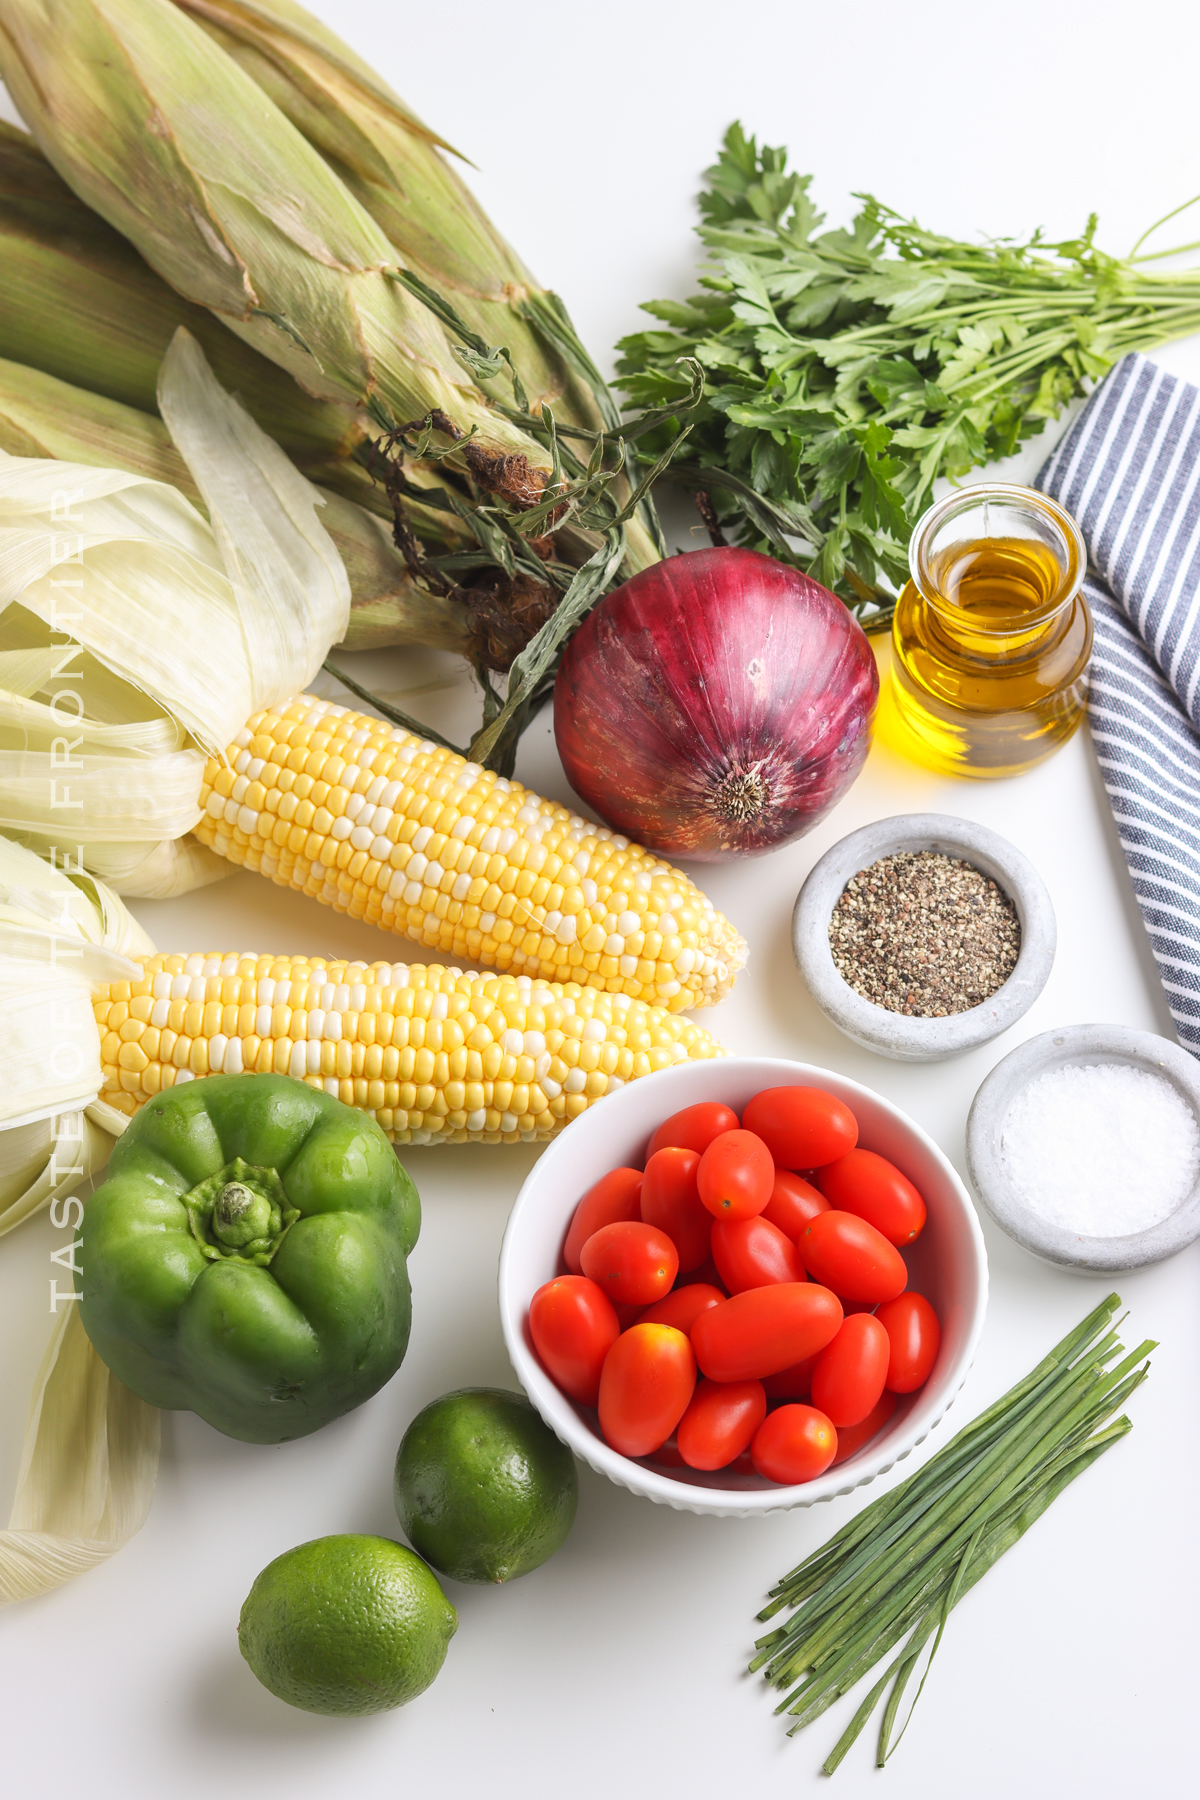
(477, 1058)
(464, 862)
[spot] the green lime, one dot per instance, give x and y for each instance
(346, 1625)
(484, 1490)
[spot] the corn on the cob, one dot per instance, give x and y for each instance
(436, 1056)
(389, 828)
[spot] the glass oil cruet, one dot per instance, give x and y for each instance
(991, 636)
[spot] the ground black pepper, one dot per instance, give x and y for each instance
(924, 934)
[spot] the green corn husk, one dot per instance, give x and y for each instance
(151, 124)
(78, 301)
(392, 163)
(41, 416)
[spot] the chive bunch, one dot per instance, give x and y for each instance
(898, 1570)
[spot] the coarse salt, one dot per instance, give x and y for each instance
(1103, 1149)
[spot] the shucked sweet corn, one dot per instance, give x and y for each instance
(436, 1056)
(393, 829)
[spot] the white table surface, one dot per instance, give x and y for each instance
(617, 1668)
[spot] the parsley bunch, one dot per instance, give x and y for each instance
(846, 370)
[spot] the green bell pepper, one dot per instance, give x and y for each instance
(246, 1256)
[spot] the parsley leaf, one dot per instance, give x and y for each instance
(845, 371)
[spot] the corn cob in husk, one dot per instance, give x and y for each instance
(150, 123)
(42, 417)
(376, 823)
(78, 301)
(394, 165)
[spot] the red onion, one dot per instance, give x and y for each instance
(717, 705)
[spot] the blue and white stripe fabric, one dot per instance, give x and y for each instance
(1129, 472)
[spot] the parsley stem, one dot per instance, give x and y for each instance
(845, 371)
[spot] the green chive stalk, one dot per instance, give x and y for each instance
(898, 1570)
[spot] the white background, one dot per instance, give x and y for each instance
(616, 1668)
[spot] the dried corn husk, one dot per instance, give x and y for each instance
(42, 417)
(151, 124)
(174, 624)
(88, 1470)
(91, 1448)
(58, 936)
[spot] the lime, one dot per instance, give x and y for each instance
(346, 1625)
(484, 1490)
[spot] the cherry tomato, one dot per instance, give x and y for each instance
(764, 1330)
(854, 1437)
(736, 1175)
(851, 1257)
(794, 1443)
(671, 1202)
(683, 1306)
(791, 1384)
(802, 1127)
(694, 1128)
(613, 1198)
(721, 1419)
(632, 1262)
(646, 1383)
(869, 1185)
(573, 1327)
(915, 1336)
(749, 1253)
(793, 1203)
(851, 1371)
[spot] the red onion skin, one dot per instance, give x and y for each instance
(717, 705)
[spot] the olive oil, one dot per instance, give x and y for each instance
(991, 636)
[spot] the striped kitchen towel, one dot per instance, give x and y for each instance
(1129, 472)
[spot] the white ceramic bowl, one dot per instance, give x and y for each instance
(948, 1264)
(895, 1034)
(1080, 1046)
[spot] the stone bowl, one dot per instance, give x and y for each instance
(947, 1263)
(892, 1034)
(1054, 1050)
